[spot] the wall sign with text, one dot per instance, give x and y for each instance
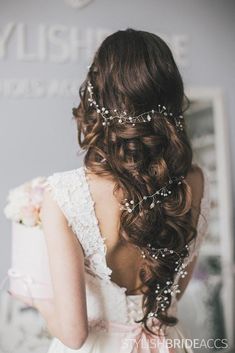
(57, 44)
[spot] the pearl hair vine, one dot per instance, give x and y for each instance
(123, 118)
(156, 197)
(169, 287)
(160, 253)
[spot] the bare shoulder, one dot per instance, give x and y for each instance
(49, 208)
(195, 179)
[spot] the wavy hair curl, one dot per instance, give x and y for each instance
(135, 71)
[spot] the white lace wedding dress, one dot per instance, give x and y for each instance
(111, 313)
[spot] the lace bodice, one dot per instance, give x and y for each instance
(105, 299)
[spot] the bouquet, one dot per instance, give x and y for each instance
(29, 273)
(24, 202)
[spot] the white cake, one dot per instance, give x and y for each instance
(29, 274)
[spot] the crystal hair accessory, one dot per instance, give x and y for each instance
(169, 288)
(156, 197)
(123, 118)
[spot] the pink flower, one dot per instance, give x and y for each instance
(24, 202)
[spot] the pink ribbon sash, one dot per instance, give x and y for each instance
(134, 338)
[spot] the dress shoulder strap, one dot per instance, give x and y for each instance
(71, 192)
(66, 191)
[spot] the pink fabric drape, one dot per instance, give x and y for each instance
(135, 338)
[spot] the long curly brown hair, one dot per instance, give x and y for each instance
(135, 71)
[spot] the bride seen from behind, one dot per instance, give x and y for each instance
(138, 190)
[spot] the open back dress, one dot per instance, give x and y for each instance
(111, 312)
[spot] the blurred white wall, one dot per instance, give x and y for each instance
(37, 135)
